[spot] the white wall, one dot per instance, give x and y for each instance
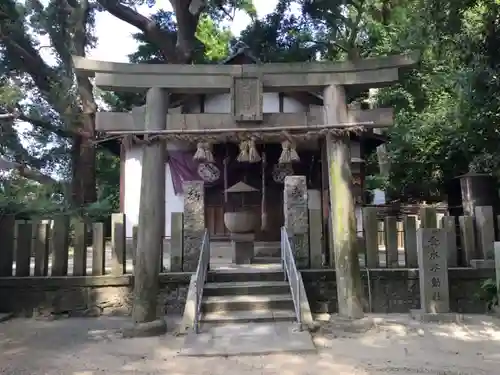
(133, 171)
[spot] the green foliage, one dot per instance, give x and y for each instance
(488, 293)
(214, 39)
(108, 180)
(29, 200)
(446, 109)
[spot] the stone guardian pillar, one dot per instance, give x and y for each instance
(151, 228)
(296, 218)
(194, 223)
(342, 208)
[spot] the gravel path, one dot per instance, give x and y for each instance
(394, 346)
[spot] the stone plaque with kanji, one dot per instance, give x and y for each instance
(247, 99)
(433, 270)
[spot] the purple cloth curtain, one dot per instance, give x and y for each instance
(184, 168)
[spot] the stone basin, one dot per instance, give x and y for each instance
(240, 222)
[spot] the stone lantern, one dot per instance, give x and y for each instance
(241, 223)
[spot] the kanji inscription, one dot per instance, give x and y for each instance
(433, 270)
(247, 99)
(297, 217)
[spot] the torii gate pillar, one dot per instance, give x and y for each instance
(151, 228)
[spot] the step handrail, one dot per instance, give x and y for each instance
(201, 277)
(292, 275)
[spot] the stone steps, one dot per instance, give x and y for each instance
(250, 294)
(246, 288)
(255, 316)
(246, 303)
(251, 273)
(266, 260)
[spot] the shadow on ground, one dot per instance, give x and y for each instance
(391, 344)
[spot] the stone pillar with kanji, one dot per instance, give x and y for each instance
(433, 275)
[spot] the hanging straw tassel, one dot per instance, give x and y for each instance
(203, 153)
(209, 156)
(199, 155)
(253, 153)
(243, 157)
(288, 153)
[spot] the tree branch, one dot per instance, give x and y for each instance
(187, 14)
(24, 171)
(161, 38)
(33, 62)
(176, 49)
(43, 124)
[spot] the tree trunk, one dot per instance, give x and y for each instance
(83, 182)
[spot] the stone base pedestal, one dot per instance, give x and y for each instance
(243, 248)
(424, 317)
(482, 263)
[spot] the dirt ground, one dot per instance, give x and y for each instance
(393, 345)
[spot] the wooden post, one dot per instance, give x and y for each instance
(467, 239)
(80, 249)
(98, 249)
(60, 239)
(410, 240)
(23, 250)
(176, 245)
(448, 223)
(347, 270)
(42, 249)
(391, 242)
(315, 228)
(151, 220)
(134, 244)
(428, 217)
(370, 228)
(485, 231)
(118, 259)
(7, 225)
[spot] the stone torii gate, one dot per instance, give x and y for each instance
(246, 83)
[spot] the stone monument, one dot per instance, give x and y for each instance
(433, 275)
(296, 217)
(194, 223)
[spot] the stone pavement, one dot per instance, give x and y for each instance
(248, 339)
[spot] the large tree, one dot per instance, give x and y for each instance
(60, 106)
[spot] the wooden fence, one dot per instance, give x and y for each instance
(43, 248)
(391, 241)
